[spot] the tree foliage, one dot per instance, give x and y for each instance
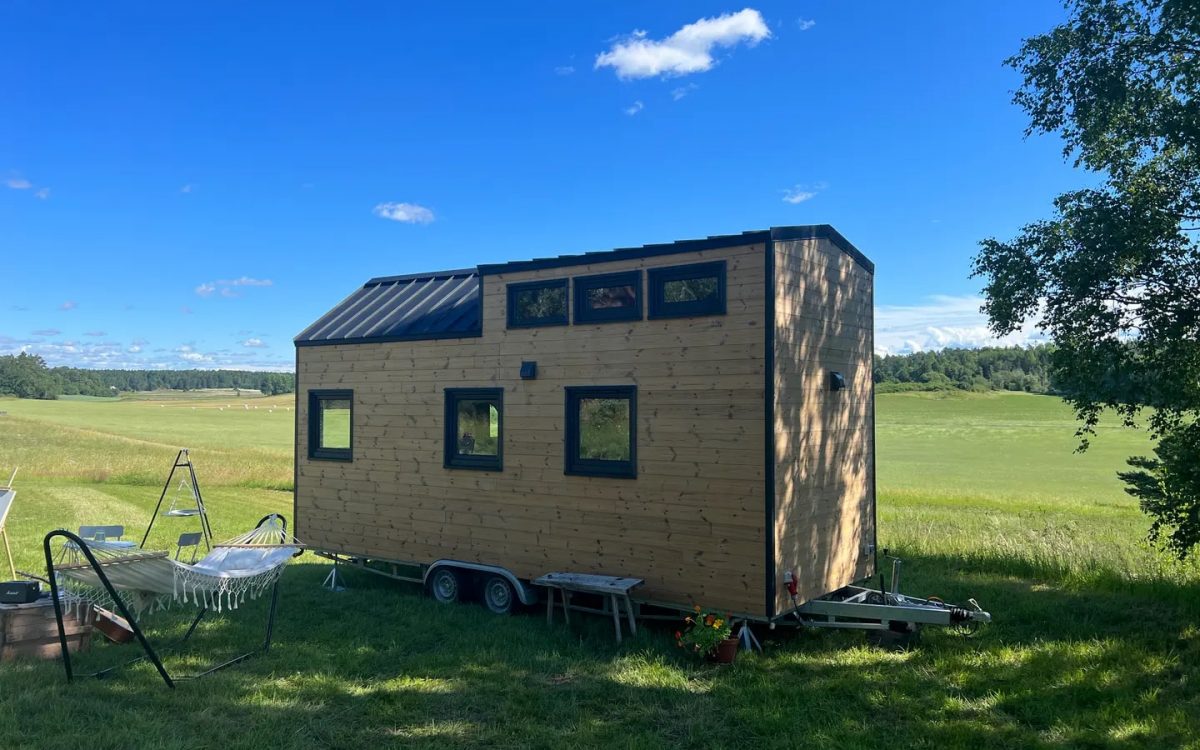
(996, 368)
(1114, 274)
(27, 376)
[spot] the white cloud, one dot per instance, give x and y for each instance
(410, 213)
(683, 91)
(943, 321)
(687, 51)
(68, 305)
(800, 193)
(254, 343)
(195, 357)
(186, 188)
(18, 183)
(564, 70)
(41, 193)
(246, 281)
(47, 332)
(634, 108)
(95, 333)
(226, 286)
(133, 349)
(805, 23)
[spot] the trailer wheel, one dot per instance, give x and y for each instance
(895, 640)
(444, 585)
(498, 595)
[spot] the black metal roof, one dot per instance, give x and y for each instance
(438, 305)
(448, 304)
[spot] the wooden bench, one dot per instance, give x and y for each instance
(615, 589)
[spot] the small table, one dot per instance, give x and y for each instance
(615, 588)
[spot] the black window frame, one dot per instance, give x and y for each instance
(657, 279)
(594, 467)
(584, 313)
(315, 451)
(453, 459)
(526, 286)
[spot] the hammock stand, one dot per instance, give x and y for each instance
(150, 653)
(183, 460)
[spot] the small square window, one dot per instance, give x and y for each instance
(330, 424)
(601, 437)
(474, 428)
(684, 291)
(608, 297)
(537, 303)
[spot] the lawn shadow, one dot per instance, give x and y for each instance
(378, 665)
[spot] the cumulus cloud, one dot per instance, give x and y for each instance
(206, 289)
(800, 193)
(689, 50)
(409, 213)
(254, 343)
(186, 188)
(134, 348)
(940, 322)
(634, 108)
(18, 183)
(41, 193)
(805, 24)
(68, 305)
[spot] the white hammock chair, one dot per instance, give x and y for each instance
(237, 569)
(112, 577)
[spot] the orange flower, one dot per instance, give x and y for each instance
(697, 608)
(709, 620)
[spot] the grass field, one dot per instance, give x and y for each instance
(1095, 643)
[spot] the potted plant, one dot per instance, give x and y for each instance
(708, 635)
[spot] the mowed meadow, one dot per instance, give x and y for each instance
(1095, 641)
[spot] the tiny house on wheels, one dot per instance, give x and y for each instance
(699, 415)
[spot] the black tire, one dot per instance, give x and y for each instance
(445, 585)
(498, 595)
(892, 640)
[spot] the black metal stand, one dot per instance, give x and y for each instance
(182, 460)
(150, 652)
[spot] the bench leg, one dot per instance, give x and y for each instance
(616, 613)
(566, 596)
(629, 612)
(550, 607)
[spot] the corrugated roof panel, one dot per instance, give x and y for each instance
(397, 308)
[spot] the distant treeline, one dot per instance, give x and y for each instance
(27, 376)
(989, 369)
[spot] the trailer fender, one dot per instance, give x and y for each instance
(527, 594)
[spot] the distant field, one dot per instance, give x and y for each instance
(1095, 642)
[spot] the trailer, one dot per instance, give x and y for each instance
(698, 415)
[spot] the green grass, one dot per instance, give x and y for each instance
(1095, 642)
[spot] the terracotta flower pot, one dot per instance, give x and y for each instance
(725, 652)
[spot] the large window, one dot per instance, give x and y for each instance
(537, 303)
(683, 291)
(330, 424)
(610, 296)
(474, 428)
(601, 437)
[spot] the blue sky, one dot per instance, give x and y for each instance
(190, 185)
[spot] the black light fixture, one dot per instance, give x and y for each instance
(529, 371)
(836, 381)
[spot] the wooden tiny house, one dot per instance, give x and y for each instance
(698, 414)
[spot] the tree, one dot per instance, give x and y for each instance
(1114, 275)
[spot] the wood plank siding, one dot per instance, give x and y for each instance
(824, 440)
(692, 523)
